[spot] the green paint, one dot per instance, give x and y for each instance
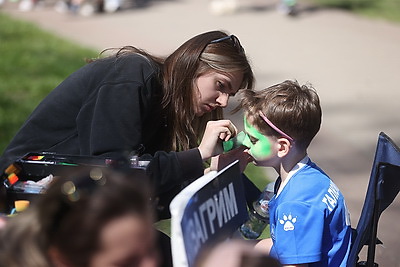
(259, 145)
(235, 142)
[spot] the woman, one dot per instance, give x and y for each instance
(133, 102)
(93, 217)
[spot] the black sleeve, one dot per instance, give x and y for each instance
(173, 169)
(170, 173)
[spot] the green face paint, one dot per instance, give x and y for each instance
(258, 144)
(235, 142)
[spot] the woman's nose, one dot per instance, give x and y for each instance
(223, 99)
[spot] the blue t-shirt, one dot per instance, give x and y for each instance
(309, 221)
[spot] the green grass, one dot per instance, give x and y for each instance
(32, 63)
(378, 9)
(257, 175)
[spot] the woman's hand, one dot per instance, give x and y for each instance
(216, 132)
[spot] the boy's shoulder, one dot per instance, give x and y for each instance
(309, 179)
(311, 170)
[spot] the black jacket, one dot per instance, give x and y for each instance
(109, 108)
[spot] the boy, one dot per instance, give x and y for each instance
(309, 221)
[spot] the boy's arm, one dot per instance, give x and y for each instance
(265, 245)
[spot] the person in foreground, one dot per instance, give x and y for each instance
(133, 103)
(309, 221)
(91, 217)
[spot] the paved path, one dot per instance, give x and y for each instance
(353, 62)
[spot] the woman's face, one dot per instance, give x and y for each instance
(126, 241)
(214, 90)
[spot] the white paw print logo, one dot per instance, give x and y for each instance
(288, 222)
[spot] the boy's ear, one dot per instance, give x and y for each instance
(283, 147)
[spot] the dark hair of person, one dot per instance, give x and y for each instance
(70, 216)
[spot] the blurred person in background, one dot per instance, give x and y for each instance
(92, 217)
(288, 7)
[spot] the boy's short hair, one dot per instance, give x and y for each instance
(295, 109)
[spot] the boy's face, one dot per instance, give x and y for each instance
(260, 146)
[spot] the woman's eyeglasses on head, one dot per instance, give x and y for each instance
(233, 38)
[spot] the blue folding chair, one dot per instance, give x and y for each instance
(383, 187)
